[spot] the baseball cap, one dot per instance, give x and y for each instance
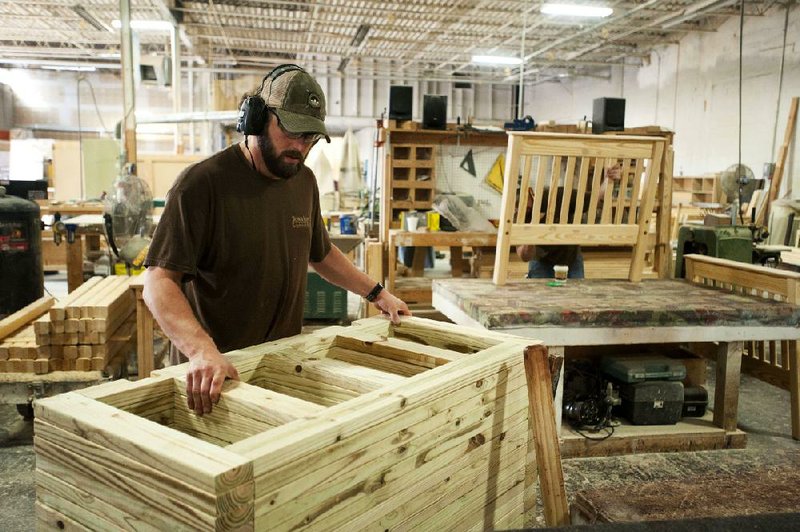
(299, 102)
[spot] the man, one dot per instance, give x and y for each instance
(227, 265)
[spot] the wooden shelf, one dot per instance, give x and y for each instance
(689, 434)
(695, 189)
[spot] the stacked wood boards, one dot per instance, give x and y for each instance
(88, 328)
(373, 426)
(18, 349)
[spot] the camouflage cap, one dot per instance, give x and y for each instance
(297, 99)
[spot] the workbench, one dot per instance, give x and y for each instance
(455, 240)
(597, 312)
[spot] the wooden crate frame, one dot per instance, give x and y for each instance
(375, 426)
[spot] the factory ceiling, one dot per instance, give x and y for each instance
(381, 39)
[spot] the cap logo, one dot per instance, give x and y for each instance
(313, 101)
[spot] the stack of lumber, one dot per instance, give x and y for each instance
(18, 349)
(88, 328)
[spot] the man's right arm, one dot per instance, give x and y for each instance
(207, 367)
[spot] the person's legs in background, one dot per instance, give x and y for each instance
(540, 270)
(576, 268)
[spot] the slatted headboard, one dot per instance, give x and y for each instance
(620, 216)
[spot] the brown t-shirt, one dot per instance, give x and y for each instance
(243, 242)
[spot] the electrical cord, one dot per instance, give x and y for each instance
(739, 166)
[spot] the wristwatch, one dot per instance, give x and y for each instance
(373, 294)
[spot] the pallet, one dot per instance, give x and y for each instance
(346, 427)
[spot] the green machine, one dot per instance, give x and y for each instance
(733, 242)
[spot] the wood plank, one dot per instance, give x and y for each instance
(545, 437)
(583, 145)
(580, 234)
(195, 462)
(115, 490)
(26, 314)
(142, 473)
(458, 495)
(404, 479)
(57, 312)
(777, 175)
(469, 409)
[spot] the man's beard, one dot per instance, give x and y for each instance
(275, 164)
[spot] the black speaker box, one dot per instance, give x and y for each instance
(400, 99)
(434, 112)
(608, 114)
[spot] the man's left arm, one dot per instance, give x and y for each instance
(337, 269)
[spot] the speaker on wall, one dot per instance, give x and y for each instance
(400, 99)
(434, 111)
(608, 114)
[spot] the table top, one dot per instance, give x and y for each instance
(442, 238)
(586, 305)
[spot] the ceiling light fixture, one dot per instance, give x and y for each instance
(89, 18)
(145, 25)
(69, 68)
(576, 10)
(496, 60)
(361, 33)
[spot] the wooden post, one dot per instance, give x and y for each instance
(726, 395)
(374, 267)
(777, 176)
(663, 251)
(542, 422)
(75, 263)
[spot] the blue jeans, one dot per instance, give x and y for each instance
(544, 270)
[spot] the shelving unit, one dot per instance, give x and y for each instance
(700, 189)
(413, 178)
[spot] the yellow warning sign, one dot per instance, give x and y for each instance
(495, 176)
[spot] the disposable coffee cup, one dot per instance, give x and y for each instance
(412, 223)
(561, 273)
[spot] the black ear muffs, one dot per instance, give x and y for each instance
(252, 116)
(253, 112)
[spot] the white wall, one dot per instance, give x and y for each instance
(693, 88)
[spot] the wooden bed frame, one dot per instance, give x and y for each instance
(621, 217)
(758, 358)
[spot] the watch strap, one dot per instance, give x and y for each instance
(373, 294)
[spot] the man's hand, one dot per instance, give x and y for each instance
(614, 173)
(391, 305)
(204, 379)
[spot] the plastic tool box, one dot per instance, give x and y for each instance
(632, 369)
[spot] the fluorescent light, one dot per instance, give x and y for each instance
(89, 18)
(70, 68)
(574, 10)
(145, 25)
(496, 60)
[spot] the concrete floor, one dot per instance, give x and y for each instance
(763, 414)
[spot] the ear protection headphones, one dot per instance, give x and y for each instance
(253, 111)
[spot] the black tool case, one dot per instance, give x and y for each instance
(695, 401)
(652, 402)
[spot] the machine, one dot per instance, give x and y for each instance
(734, 242)
(20, 253)
(129, 217)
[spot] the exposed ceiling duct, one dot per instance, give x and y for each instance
(400, 39)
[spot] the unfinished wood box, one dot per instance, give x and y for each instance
(423, 425)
